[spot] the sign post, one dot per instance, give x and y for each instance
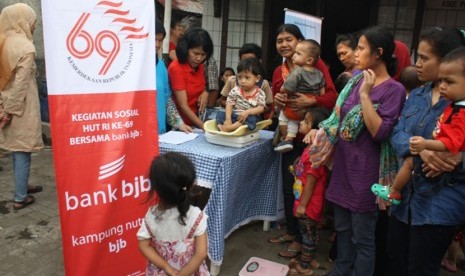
(100, 58)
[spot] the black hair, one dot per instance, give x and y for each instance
(226, 69)
(319, 114)
(175, 21)
(159, 28)
(409, 78)
(442, 41)
(252, 65)
(342, 80)
(456, 55)
(314, 49)
(292, 29)
(193, 38)
(251, 48)
(171, 178)
(380, 37)
(349, 39)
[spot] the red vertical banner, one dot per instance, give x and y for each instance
(100, 59)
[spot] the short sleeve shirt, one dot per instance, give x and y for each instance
(242, 102)
(303, 81)
(184, 78)
(172, 46)
(231, 83)
(304, 168)
(165, 225)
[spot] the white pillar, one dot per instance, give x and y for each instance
(167, 24)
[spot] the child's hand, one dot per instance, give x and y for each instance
(243, 116)
(308, 139)
(417, 144)
(300, 211)
(171, 271)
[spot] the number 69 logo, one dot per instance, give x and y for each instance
(92, 44)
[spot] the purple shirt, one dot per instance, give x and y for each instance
(356, 164)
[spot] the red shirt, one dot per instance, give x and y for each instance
(452, 131)
(172, 46)
(403, 58)
(314, 208)
(184, 78)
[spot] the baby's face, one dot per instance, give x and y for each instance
(452, 81)
(301, 55)
(247, 80)
(227, 74)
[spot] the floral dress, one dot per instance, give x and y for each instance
(176, 253)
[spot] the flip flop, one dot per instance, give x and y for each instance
(34, 189)
(313, 264)
(289, 253)
(383, 192)
(295, 272)
(279, 239)
(23, 204)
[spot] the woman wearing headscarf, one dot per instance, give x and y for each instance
(20, 128)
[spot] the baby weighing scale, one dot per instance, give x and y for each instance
(239, 138)
(261, 267)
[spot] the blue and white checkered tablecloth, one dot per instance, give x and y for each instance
(244, 184)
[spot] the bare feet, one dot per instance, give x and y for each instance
(228, 128)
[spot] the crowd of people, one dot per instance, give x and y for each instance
(351, 138)
(383, 144)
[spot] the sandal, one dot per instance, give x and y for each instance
(294, 271)
(280, 239)
(313, 264)
(383, 192)
(34, 189)
(289, 253)
(23, 204)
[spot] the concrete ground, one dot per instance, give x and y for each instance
(30, 239)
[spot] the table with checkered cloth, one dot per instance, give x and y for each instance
(244, 183)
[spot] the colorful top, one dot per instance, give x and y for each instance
(303, 168)
(302, 81)
(184, 78)
(451, 127)
(242, 102)
(173, 241)
(356, 164)
(232, 82)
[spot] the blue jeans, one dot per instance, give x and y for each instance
(355, 242)
(251, 120)
(21, 169)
